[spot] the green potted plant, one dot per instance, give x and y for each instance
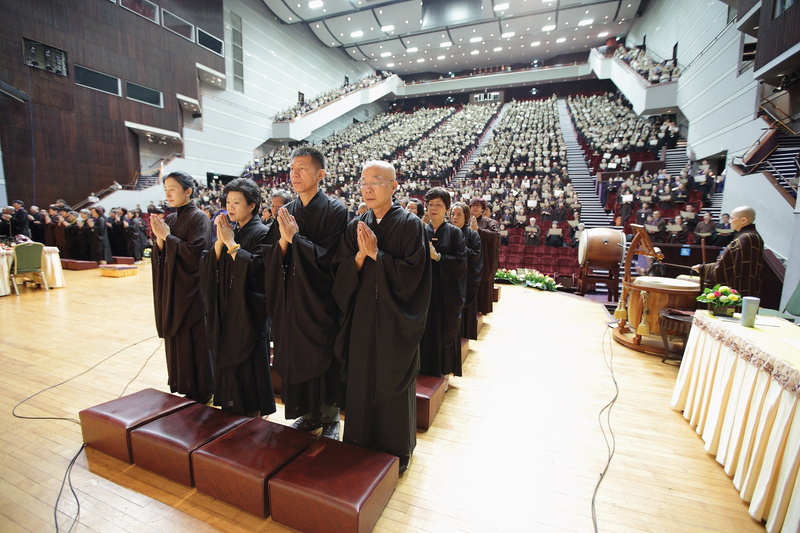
(721, 300)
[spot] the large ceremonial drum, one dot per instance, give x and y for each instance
(601, 248)
(649, 295)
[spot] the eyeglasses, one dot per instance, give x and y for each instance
(373, 184)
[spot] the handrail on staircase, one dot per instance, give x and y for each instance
(157, 166)
(749, 166)
(777, 120)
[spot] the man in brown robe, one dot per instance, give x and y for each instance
(739, 265)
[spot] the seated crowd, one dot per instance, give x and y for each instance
(648, 68)
(613, 136)
(329, 96)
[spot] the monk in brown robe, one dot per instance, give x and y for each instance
(180, 317)
(739, 265)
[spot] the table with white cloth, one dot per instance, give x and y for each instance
(740, 388)
(51, 265)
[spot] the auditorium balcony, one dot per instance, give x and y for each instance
(646, 98)
(303, 126)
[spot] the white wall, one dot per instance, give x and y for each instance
(279, 61)
(774, 215)
(719, 104)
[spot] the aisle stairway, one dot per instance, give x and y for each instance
(782, 163)
(592, 212)
(466, 168)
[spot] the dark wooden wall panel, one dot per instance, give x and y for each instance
(75, 134)
(744, 7)
(776, 36)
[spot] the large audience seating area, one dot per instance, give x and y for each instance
(527, 140)
(612, 136)
(307, 106)
(389, 137)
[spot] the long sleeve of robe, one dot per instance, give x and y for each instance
(236, 323)
(304, 314)
(739, 265)
(469, 327)
(178, 302)
(383, 309)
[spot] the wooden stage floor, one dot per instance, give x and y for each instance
(516, 446)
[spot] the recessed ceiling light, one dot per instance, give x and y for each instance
(498, 49)
(508, 35)
(385, 54)
(549, 27)
(315, 4)
(585, 22)
(475, 39)
(501, 7)
(389, 65)
(387, 28)
(475, 52)
(356, 34)
(536, 43)
(441, 57)
(412, 49)
(561, 39)
(421, 60)
(445, 44)
(603, 34)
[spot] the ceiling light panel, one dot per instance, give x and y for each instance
(572, 17)
(628, 13)
(404, 16)
(305, 11)
(485, 30)
(355, 53)
(282, 12)
(346, 27)
(322, 33)
(392, 46)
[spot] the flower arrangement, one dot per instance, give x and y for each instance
(529, 278)
(720, 295)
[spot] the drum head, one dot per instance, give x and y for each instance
(655, 282)
(583, 246)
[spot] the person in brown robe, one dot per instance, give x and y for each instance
(181, 239)
(739, 265)
(298, 283)
(490, 250)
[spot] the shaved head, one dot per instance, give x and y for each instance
(387, 171)
(745, 211)
(742, 216)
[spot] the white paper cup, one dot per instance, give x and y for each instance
(749, 311)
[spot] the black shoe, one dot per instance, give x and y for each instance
(330, 430)
(404, 460)
(306, 424)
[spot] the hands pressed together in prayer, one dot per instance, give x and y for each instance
(367, 244)
(160, 230)
(434, 254)
(225, 235)
(288, 226)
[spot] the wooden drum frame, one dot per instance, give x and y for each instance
(644, 297)
(603, 249)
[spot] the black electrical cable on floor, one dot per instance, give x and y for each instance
(68, 473)
(610, 446)
(14, 410)
(68, 479)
